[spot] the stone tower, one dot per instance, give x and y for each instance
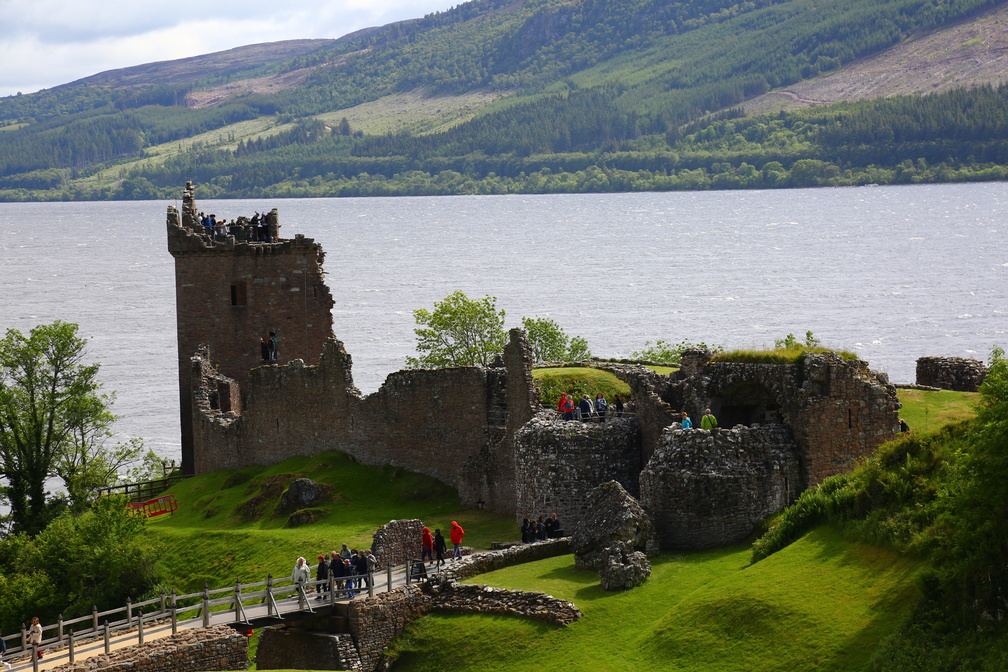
(235, 288)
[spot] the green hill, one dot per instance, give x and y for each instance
(496, 96)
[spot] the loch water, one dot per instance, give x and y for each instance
(892, 273)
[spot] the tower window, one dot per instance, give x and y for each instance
(238, 297)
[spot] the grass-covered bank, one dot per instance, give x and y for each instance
(227, 526)
(823, 603)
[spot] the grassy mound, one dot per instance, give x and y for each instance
(823, 603)
(228, 525)
(578, 380)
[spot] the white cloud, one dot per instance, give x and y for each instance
(50, 42)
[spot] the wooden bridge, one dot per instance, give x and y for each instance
(242, 607)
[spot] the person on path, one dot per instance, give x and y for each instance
(456, 533)
(708, 421)
(35, 636)
(427, 547)
(541, 529)
(370, 565)
(300, 575)
(440, 547)
(568, 407)
(586, 408)
(322, 577)
(619, 406)
(686, 422)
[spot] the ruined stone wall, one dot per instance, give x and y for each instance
(231, 294)
(397, 542)
(557, 463)
(451, 424)
(284, 648)
(951, 373)
(215, 648)
(709, 488)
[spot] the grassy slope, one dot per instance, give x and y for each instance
(928, 411)
(207, 540)
(822, 604)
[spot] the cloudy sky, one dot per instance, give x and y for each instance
(44, 43)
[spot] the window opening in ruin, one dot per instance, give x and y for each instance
(745, 403)
(238, 297)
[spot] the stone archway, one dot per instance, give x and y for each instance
(745, 403)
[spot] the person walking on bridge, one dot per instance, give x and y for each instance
(300, 576)
(456, 533)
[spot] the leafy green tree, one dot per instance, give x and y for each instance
(550, 343)
(666, 352)
(459, 332)
(789, 342)
(53, 423)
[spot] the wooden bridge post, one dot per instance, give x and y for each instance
(108, 649)
(174, 613)
(370, 583)
(206, 605)
(237, 604)
(269, 594)
(24, 637)
(388, 578)
(59, 627)
(129, 610)
(332, 590)
(71, 648)
(94, 618)
(34, 658)
(163, 609)
(140, 640)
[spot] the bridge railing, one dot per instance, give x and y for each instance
(189, 610)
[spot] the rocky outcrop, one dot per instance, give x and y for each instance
(301, 494)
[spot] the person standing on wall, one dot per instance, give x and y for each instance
(686, 422)
(708, 421)
(456, 533)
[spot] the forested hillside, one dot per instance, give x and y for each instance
(570, 95)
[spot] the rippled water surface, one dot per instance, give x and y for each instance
(893, 273)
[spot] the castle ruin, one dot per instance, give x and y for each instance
(784, 427)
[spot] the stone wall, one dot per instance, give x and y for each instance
(710, 488)
(951, 373)
(215, 648)
(397, 542)
(453, 424)
(286, 648)
(558, 462)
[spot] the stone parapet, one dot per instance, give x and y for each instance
(215, 648)
(951, 373)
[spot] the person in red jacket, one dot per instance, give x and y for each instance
(427, 547)
(456, 533)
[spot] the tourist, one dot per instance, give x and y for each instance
(321, 577)
(562, 403)
(273, 346)
(371, 564)
(552, 527)
(348, 573)
(618, 403)
(526, 531)
(344, 553)
(427, 547)
(300, 576)
(568, 407)
(708, 421)
(440, 547)
(586, 408)
(359, 563)
(456, 533)
(686, 423)
(904, 427)
(541, 529)
(35, 636)
(264, 350)
(600, 406)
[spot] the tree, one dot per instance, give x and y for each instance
(549, 342)
(666, 352)
(53, 422)
(459, 332)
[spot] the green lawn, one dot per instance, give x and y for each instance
(226, 527)
(927, 411)
(821, 603)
